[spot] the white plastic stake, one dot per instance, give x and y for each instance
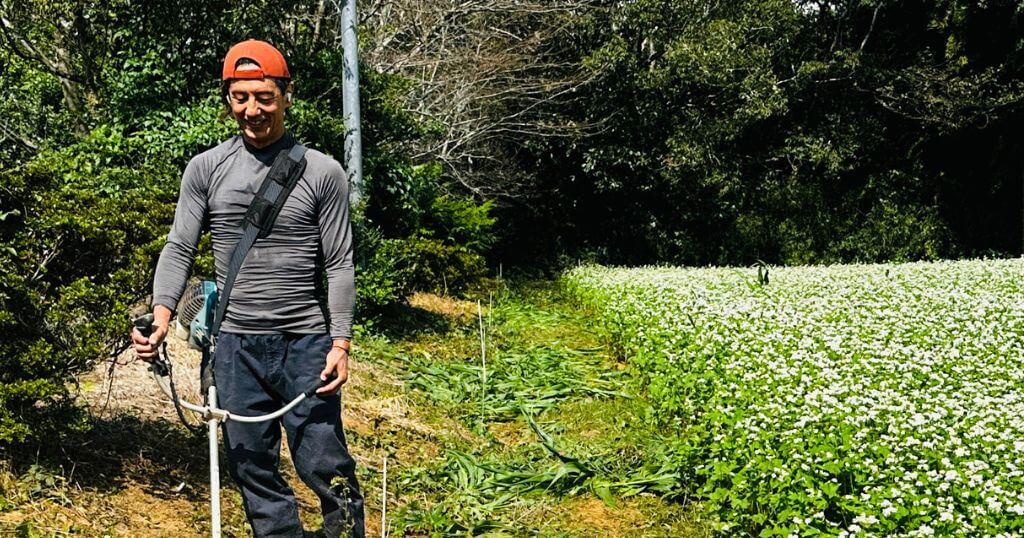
(384, 501)
(483, 358)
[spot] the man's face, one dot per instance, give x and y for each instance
(258, 107)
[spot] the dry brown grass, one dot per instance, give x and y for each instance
(643, 516)
(458, 310)
(129, 388)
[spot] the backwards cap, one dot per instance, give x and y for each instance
(270, 60)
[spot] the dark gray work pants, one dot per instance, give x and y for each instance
(258, 374)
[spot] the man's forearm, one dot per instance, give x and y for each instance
(341, 293)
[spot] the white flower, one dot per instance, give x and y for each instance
(865, 520)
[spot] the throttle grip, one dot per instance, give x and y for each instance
(321, 383)
(144, 324)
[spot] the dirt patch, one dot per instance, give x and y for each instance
(593, 516)
(641, 516)
(512, 434)
(128, 386)
(131, 512)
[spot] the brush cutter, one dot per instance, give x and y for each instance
(196, 319)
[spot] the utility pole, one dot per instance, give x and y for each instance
(350, 101)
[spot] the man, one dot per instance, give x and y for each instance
(283, 330)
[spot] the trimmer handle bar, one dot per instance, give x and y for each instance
(161, 372)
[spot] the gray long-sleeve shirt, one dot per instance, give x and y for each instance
(278, 288)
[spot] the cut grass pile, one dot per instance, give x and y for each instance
(526, 452)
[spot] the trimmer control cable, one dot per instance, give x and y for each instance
(161, 367)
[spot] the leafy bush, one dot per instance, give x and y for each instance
(460, 221)
(434, 266)
(394, 268)
(897, 233)
(418, 238)
(381, 279)
(79, 233)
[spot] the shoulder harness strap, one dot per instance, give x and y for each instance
(259, 218)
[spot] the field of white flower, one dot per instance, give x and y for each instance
(862, 400)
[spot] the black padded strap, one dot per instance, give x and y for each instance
(259, 218)
(280, 180)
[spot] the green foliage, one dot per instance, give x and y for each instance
(38, 481)
(569, 408)
(394, 268)
(397, 267)
(81, 231)
(460, 221)
(382, 279)
(898, 233)
(175, 136)
(518, 381)
(435, 266)
(792, 132)
(421, 239)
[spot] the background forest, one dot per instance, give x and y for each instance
(522, 133)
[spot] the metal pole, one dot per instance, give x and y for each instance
(350, 101)
(214, 468)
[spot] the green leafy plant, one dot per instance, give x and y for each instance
(75, 253)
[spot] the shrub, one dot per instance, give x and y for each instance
(897, 233)
(381, 279)
(434, 266)
(394, 268)
(460, 221)
(76, 246)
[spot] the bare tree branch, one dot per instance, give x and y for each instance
(9, 133)
(24, 49)
(487, 72)
(874, 18)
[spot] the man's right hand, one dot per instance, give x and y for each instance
(148, 348)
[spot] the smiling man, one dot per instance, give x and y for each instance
(283, 328)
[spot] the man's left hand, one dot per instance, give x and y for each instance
(337, 364)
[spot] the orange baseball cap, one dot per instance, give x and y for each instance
(270, 60)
